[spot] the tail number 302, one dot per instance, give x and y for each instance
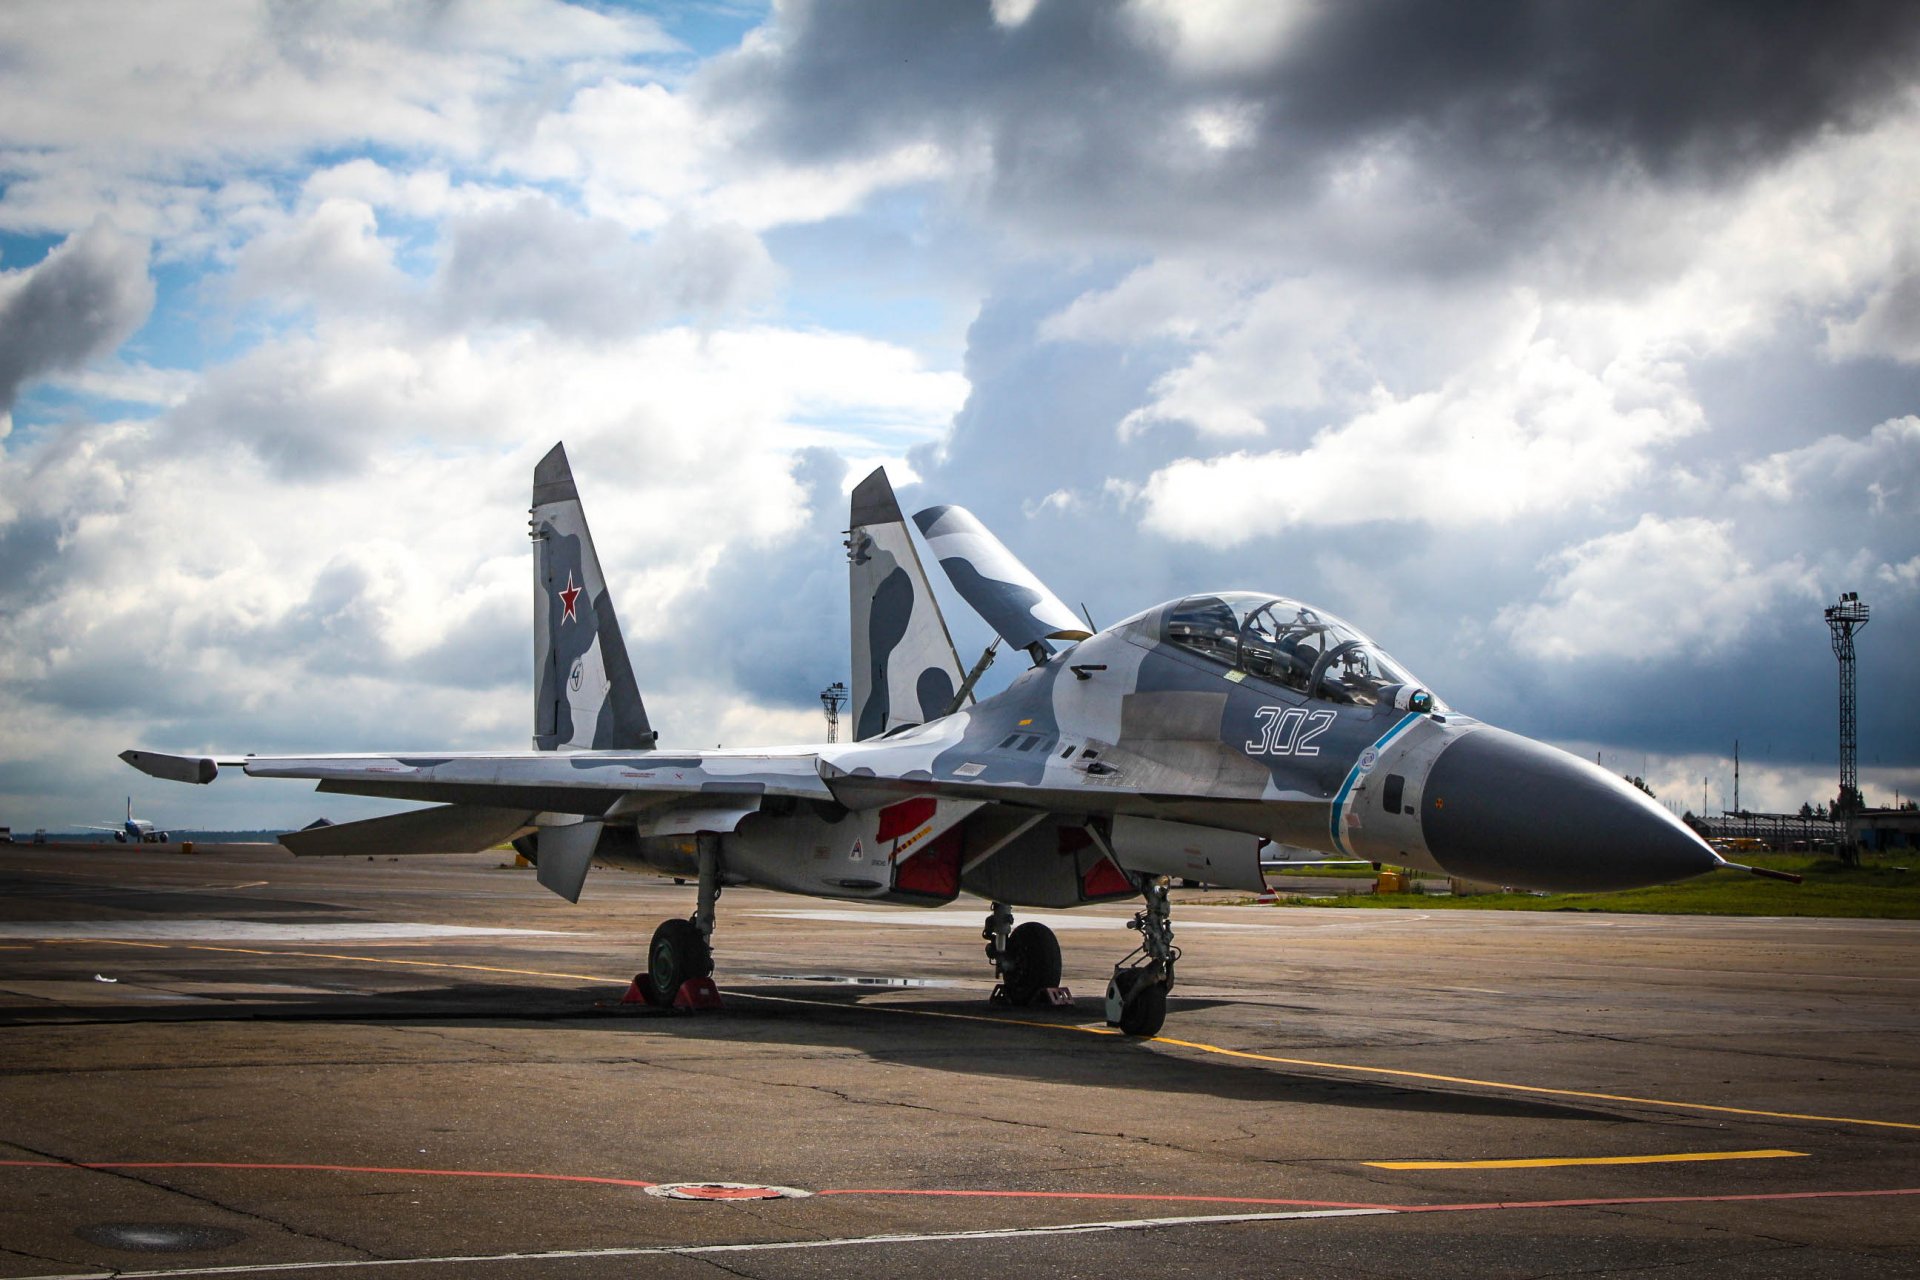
(1289, 732)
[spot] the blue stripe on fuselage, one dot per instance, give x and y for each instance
(1353, 776)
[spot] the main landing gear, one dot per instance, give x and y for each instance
(1137, 995)
(680, 959)
(1026, 958)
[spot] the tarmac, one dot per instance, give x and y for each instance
(235, 1063)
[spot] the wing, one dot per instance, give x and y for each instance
(587, 783)
(565, 798)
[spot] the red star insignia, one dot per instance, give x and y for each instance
(567, 598)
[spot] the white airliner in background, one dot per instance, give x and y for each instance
(133, 830)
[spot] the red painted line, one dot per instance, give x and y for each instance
(963, 1193)
(318, 1168)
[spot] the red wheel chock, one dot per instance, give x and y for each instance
(698, 993)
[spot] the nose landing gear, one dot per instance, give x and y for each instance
(1137, 995)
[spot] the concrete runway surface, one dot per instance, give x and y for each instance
(232, 1063)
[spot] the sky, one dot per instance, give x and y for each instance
(1571, 351)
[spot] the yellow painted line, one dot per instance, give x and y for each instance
(1678, 1158)
(1399, 1074)
(1243, 1054)
(418, 964)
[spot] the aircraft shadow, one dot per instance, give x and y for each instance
(942, 1033)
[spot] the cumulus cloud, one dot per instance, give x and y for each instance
(1662, 588)
(1528, 433)
(535, 262)
(333, 256)
(1889, 324)
(119, 81)
(1879, 472)
(81, 301)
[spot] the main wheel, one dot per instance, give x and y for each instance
(1032, 962)
(677, 954)
(1144, 1005)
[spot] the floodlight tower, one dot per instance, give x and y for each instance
(833, 697)
(1843, 619)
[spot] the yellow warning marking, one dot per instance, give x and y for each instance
(1400, 1074)
(420, 964)
(1247, 1055)
(1570, 1160)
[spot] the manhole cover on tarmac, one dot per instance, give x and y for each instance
(159, 1237)
(724, 1191)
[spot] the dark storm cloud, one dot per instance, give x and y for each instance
(1497, 108)
(82, 301)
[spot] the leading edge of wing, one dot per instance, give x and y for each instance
(568, 782)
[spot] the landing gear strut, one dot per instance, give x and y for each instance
(1137, 996)
(682, 950)
(1026, 958)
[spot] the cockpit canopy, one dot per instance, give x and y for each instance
(1283, 642)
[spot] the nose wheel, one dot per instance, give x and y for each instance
(1137, 995)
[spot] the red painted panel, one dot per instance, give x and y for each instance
(1105, 880)
(907, 817)
(933, 869)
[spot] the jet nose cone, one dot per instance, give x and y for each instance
(1508, 810)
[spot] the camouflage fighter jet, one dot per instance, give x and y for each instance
(1171, 745)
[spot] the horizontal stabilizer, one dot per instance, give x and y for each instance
(450, 828)
(156, 764)
(991, 578)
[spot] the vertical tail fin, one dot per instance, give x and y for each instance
(905, 670)
(585, 695)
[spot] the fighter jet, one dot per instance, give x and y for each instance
(133, 830)
(1172, 745)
